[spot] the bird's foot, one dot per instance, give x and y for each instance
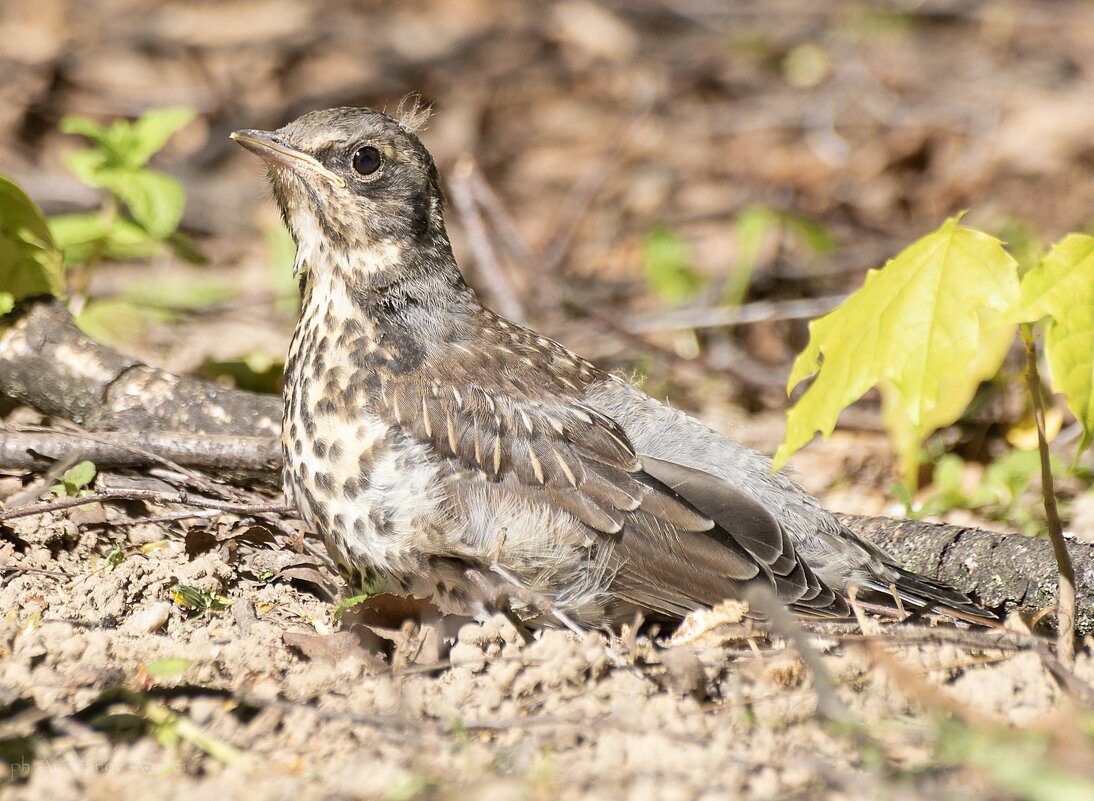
(499, 598)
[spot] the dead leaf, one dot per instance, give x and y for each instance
(388, 611)
(309, 575)
(199, 541)
(256, 535)
(329, 649)
(726, 622)
(93, 514)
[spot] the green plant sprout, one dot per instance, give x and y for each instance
(667, 267)
(197, 601)
(138, 218)
(116, 161)
(754, 227)
(75, 482)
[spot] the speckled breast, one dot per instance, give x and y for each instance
(360, 484)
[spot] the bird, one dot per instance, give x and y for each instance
(442, 451)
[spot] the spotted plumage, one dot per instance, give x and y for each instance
(441, 450)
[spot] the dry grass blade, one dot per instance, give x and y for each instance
(783, 623)
(24, 448)
(41, 485)
(494, 279)
(720, 316)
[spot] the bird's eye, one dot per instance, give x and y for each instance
(366, 161)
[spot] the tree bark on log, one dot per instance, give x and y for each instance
(1005, 572)
(48, 363)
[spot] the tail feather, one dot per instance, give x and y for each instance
(925, 594)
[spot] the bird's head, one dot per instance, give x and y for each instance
(354, 185)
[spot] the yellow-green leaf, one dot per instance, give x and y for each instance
(76, 479)
(916, 324)
(155, 200)
(91, 236)
(753, 227)
(166, 668)
(113, 321)
(1061, 288)
(346, 604)
(80, 475)
(30, 262)
(152, 130)
(129, 145)
(955, 393)
(82, 126)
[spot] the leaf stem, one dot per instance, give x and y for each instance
(1065, 602)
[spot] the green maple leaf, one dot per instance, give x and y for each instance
(915, 327)
(1061, 287)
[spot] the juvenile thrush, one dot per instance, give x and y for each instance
(442, 450)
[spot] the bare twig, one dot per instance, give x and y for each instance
(719, 316)
(915, 687)
(120, 494)
(829, 706)
(493, 276)
(171, 517)
(1065, 604)
(48, 363)
(31, 449)
(117, 440)
(584, 193)
(500, 220)
(743, 368)
(181, 726)
(909, 634)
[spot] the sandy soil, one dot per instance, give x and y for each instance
(112, 688)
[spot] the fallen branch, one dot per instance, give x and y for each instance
(48, 363)
(720, 316)
(575, 209)
(486, 260)
(504, 227)
(1008, 572)
(829, 705)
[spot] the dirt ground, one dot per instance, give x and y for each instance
(281, 702)
(593, 124)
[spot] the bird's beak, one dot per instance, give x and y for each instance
(265, 145)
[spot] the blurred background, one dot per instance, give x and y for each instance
(670, 188)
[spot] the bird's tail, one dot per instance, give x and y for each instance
(926, 595)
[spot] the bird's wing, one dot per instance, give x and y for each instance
(673, 553)
(754, 527)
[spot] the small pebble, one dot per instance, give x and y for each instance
(152, 618)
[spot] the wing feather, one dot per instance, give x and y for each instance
(679, 538)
